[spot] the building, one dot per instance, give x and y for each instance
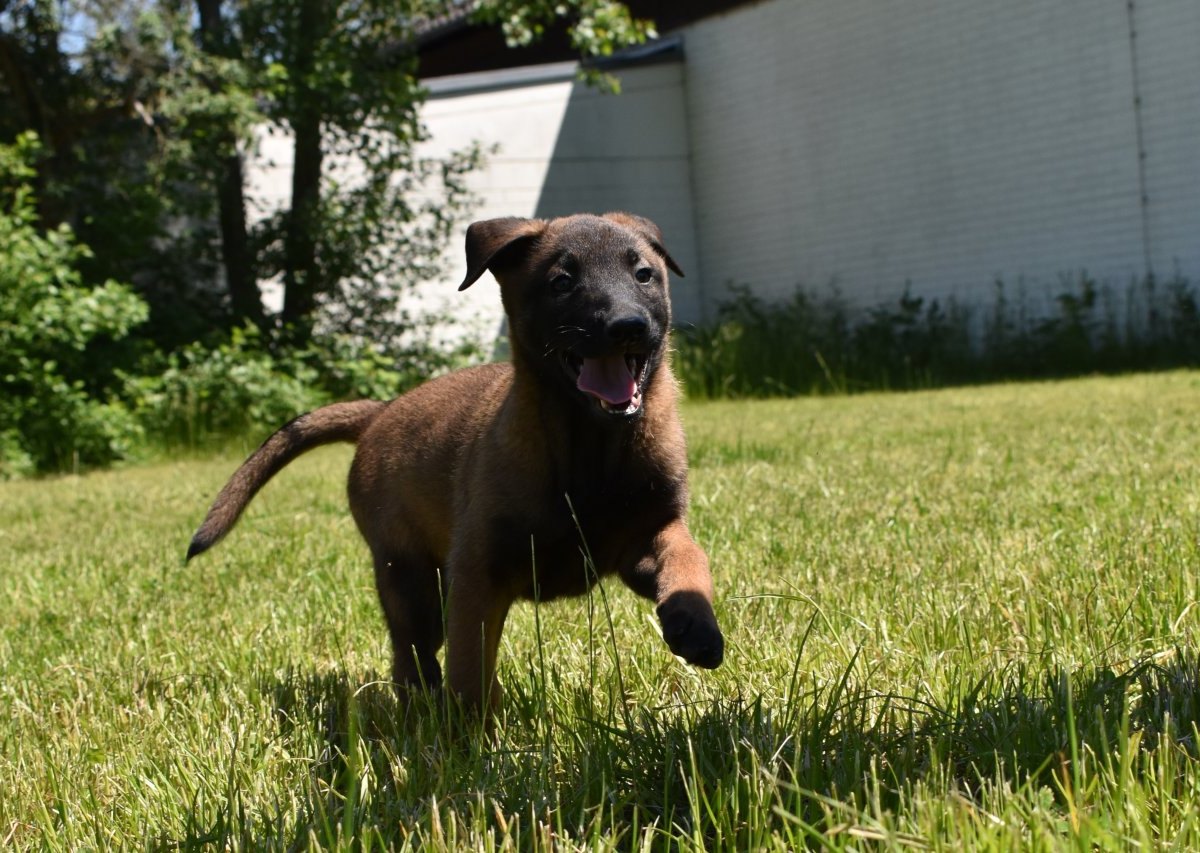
(945, 143)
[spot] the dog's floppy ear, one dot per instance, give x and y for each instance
(488, 238)
(653, 234)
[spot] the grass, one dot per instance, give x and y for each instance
(961, 618)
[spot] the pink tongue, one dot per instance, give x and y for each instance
(607, 378)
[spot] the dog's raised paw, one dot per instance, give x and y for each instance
(690, 628)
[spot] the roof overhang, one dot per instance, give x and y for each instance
(669, 49)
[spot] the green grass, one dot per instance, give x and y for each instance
(954, 618)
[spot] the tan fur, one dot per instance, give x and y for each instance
(484, 486)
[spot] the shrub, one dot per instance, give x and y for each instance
(818, 343)
(205, 394)
(59, 408)
(351, 368)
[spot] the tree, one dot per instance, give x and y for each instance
(182, 94)
(89, 76)
(336, 76)
(230, 179)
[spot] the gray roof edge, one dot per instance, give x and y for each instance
(664, 49)
(501, 78)
(669, 49)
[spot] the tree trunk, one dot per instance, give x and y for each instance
(245, 298)
(301, 276)
(235, 251)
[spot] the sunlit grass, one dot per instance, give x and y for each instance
(956, 618)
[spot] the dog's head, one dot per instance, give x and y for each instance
(586, 299)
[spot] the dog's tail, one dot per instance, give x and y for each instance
(339, 422)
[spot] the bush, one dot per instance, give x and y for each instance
(816, 343)
(205, 394)
(60, 407)
(202, 394)
(72, 397)
(351, 368)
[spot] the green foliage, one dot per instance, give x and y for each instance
(89, 78)
(206, 394)
(380, 240)
(57, 337)
(596, 28)
(151, 112)
(819, 343)
(350, 367)
(74, 395)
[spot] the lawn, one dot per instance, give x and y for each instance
(953, 618)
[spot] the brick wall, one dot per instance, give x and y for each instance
(946, 142)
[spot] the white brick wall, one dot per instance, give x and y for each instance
(1168, 46)
(946, 142)
(524, 122)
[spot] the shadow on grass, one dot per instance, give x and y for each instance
(727, 774)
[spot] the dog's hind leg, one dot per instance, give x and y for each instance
(412, 606)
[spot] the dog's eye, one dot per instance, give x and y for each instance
(562, 283)
(644, 274)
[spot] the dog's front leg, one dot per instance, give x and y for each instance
(675, 576)
(476, 611)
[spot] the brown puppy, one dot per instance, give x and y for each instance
(485, 486)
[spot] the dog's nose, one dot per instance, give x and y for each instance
(630, 328)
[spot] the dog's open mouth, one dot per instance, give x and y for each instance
(613, 381)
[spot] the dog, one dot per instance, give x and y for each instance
(525, 480)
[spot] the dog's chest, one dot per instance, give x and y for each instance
(587, 527)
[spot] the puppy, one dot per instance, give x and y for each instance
(526, 480)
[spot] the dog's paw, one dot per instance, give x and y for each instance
(690, 628)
